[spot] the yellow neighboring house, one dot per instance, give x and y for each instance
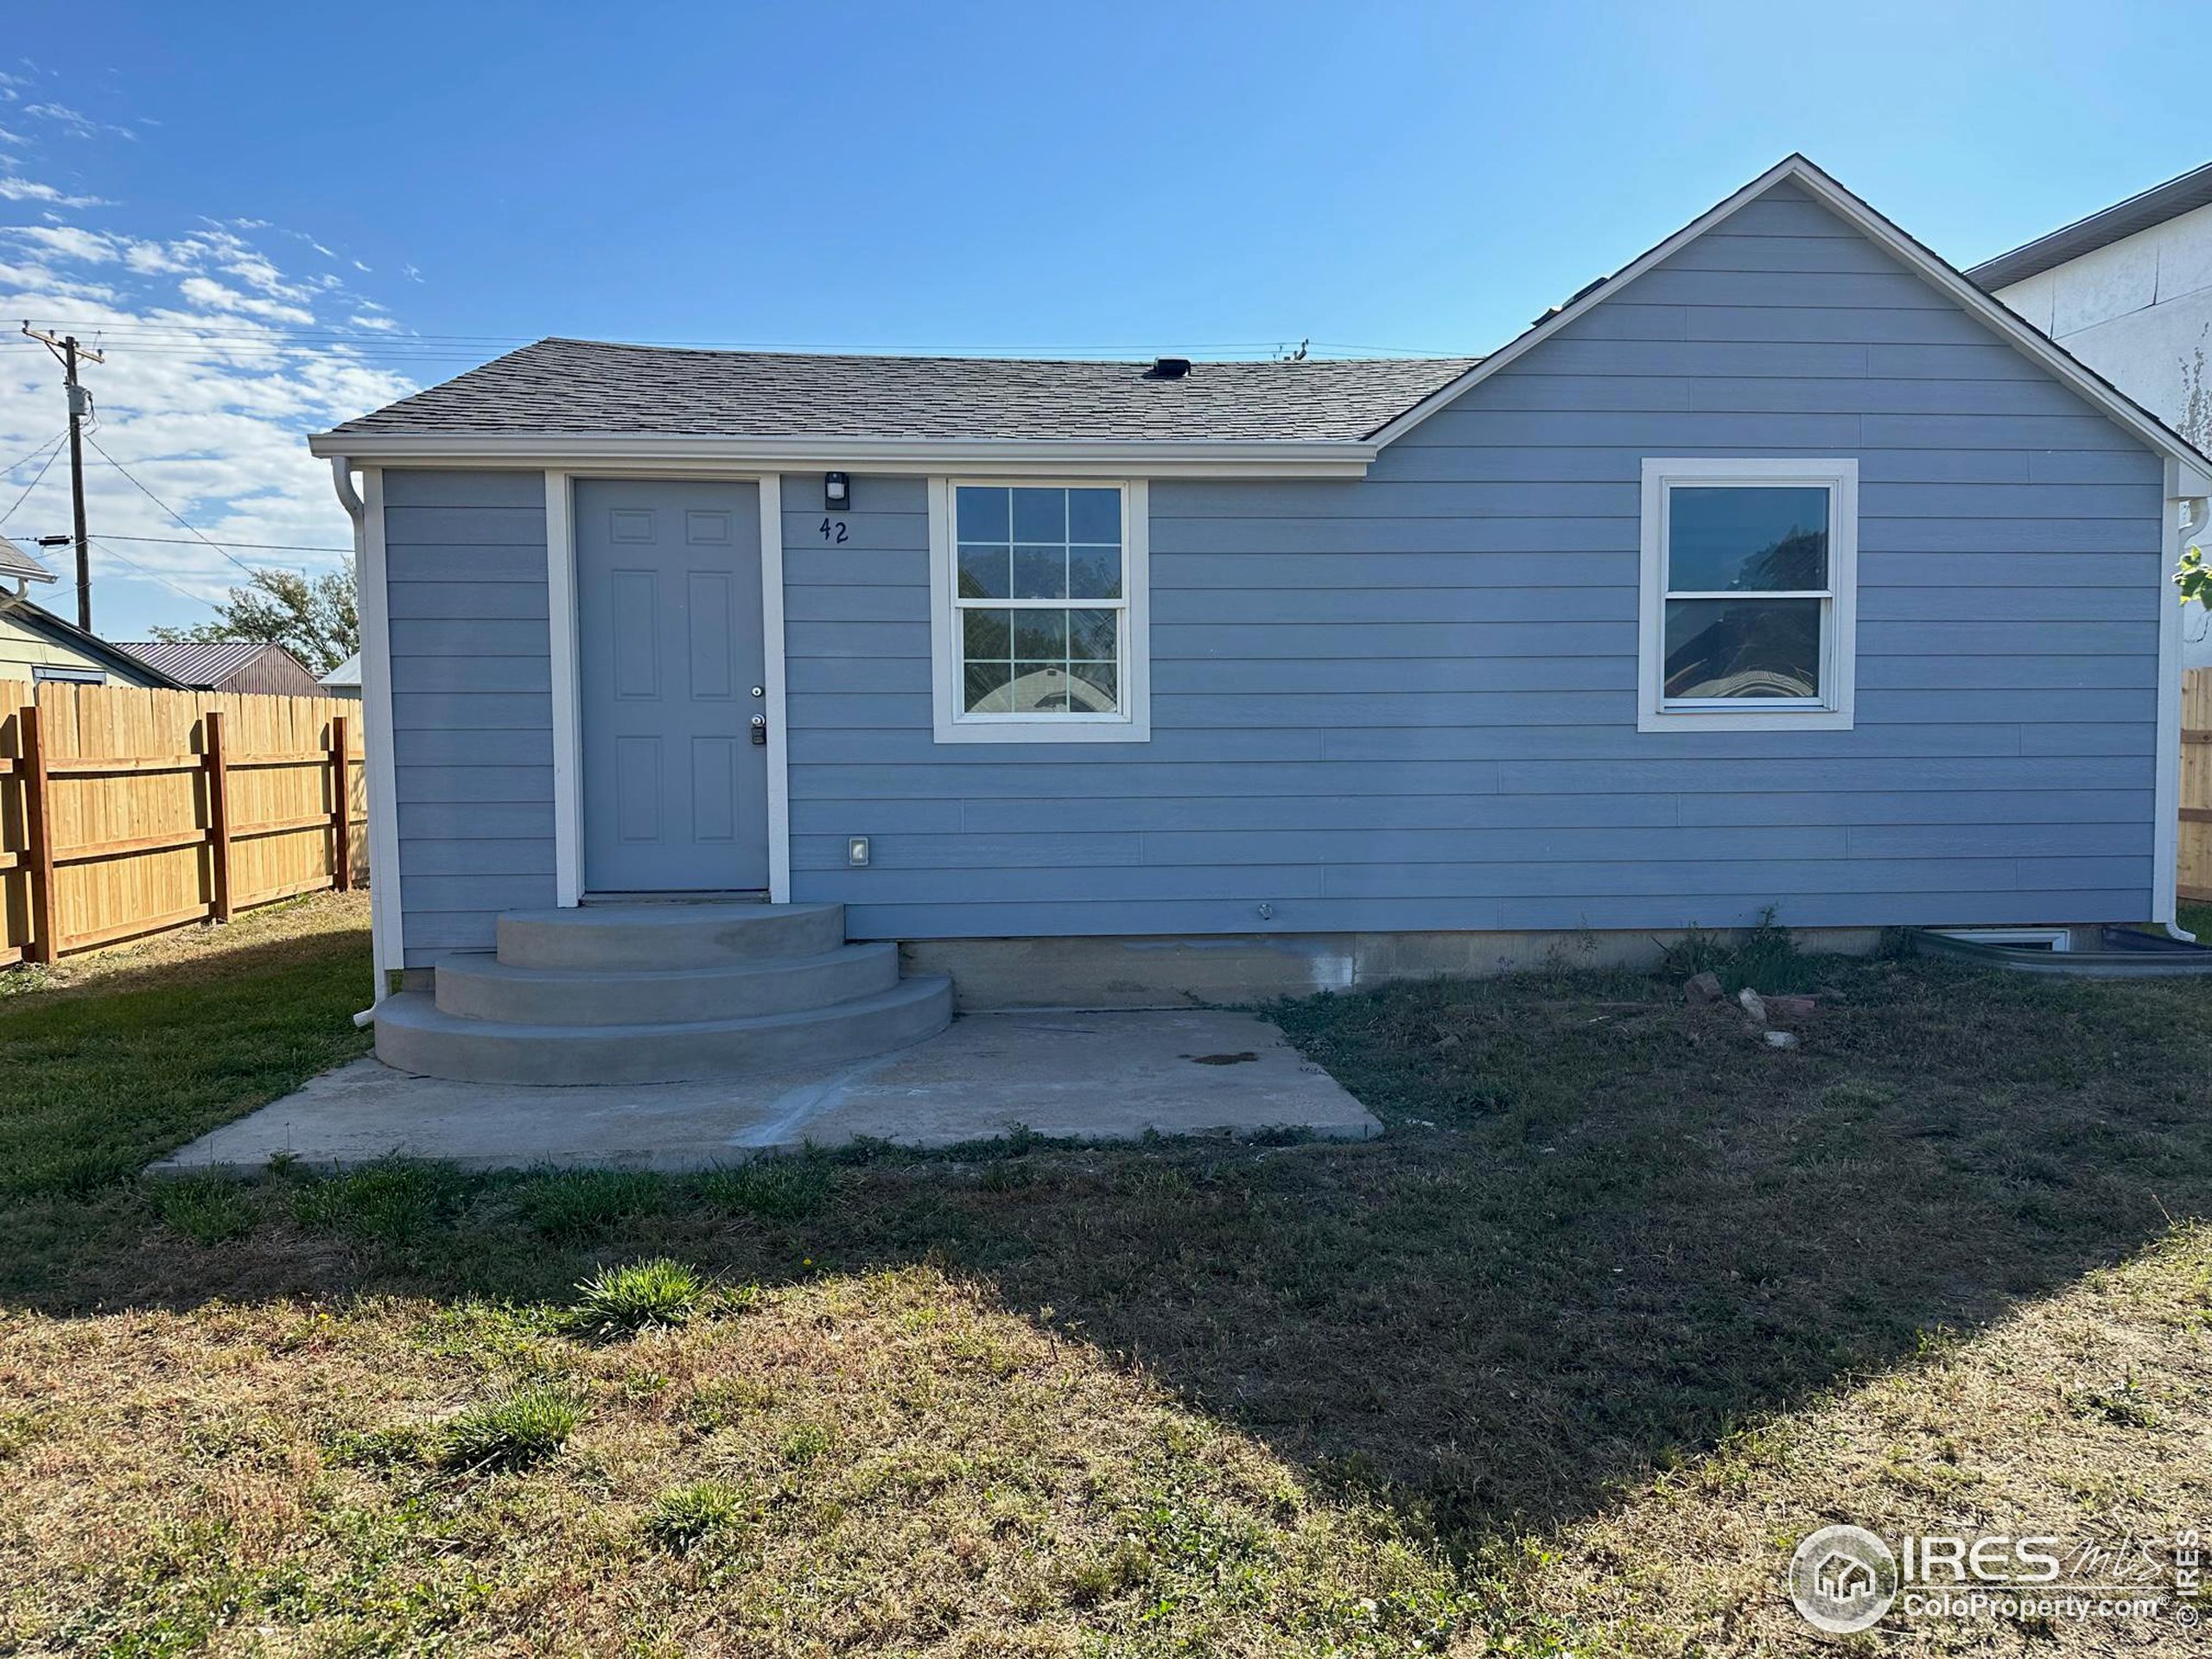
(36, 645)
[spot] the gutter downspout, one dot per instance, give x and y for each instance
(2199, 514)
(341, 480)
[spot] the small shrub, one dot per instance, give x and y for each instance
(616, 1301)
(579, 1203)
(775, 1189)
(527, 1426)
(207, 1209)
(390, 1202)
(683, 1517)
(1766, 959)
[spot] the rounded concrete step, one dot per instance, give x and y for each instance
(414, 1035)
(667, 935)
(480, 986)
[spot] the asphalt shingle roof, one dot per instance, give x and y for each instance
(15, 564)
(579, 386)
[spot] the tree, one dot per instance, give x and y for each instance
(314, 619)
(2194, 577)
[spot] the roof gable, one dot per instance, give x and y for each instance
(61, 631)
(1795, 173)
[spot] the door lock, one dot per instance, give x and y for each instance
(760, 728)
(760, 691)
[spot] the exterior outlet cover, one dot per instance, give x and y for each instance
(856, 852)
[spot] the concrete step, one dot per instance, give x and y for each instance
(481, 987)
(618, 937)
(414, 1035)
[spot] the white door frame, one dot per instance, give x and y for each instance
(567, 707)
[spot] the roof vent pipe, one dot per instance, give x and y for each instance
(1168, 368)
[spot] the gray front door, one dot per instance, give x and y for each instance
(668, 612)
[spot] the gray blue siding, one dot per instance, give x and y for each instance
(471, 702)
(1408, 701)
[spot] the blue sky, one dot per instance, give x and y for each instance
(282, 220)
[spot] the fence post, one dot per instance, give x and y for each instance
(45, 942)
(342, 809)
(219, 810)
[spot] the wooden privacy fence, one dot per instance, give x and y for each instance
(2196, 872)
(125, 811)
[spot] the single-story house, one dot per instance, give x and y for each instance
(240, 666)
(1784, 570)
(345, 680)
(36, 646)
(2128, 290)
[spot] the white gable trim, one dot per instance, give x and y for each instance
(2196, 471)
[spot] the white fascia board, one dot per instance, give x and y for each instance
(2195, 469)
(1002, 457)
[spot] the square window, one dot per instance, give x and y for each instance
(983, 516)
(987, 632)
(1749, 607)
(1040, 572)
(1040, 516)
(1094, 573)
(985, 572)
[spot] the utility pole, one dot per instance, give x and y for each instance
(67, 352)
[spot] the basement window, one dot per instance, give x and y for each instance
(1038, 611)
(1748, 613)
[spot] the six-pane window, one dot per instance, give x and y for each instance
(1040, 599)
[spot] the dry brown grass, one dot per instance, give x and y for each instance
(204, 949)
(1623, 1305)
(916, 1471)
(2086, 1416)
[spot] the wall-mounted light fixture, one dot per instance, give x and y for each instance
(856, 851)
(836, 492)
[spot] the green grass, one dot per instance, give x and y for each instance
(523, 1428)
(1622, 1302)
(683, 1517)
(98, 1081)
(776, 1189)
(583, 1204)
(619, 1301)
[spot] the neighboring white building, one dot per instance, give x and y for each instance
(2129, 292)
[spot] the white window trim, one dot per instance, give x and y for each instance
(1132, 724)
(1835, 710)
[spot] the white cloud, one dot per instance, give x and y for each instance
(15, 189)
(219, 361)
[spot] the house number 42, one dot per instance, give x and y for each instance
(833, 529)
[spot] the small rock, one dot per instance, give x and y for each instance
(1781, 1040)
(1703, 988)
(1754, 1005)
(1451, 1040)
(1790, 1007)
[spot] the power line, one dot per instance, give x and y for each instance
(34, 484)
(101, 543)
(20, 460)
(271, 547)
(169, 510)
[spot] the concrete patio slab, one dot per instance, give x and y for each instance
(1088, 1076)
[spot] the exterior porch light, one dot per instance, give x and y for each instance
(836, 492)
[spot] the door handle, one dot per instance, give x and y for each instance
(760, 728)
